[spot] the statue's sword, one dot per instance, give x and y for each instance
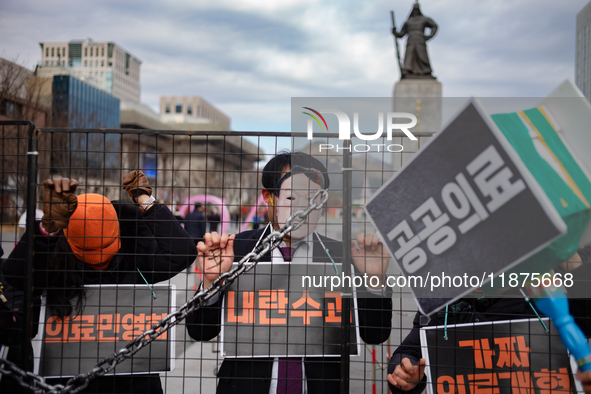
(396, 43)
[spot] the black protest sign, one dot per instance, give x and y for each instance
(503, 357)
(276, 310)
(463, 209)
(112, 316)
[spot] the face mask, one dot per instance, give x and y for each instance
(294, 195)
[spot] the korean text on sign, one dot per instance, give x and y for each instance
(497, 185)
(100, 328)
(275, 308)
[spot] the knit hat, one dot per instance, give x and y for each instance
(93, 231)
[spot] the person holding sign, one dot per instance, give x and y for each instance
(406, 370)
(289, 181)
(87, 239)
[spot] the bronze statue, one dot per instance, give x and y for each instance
(416, 59)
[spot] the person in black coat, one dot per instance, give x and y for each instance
(322, 374)
(89, 240)
(406, 367)
(195, 222)
(213, 219)
(11, 320)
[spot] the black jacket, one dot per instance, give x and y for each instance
(244, 375)
(152, 241)
(195, 224)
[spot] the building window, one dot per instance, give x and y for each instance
(189, 108)
(47, 52)
(91, 50)
(102, 74)
(47, 62)
(86, 63)
(52, 52)
(178, 108)
(51, 63)
(64, 51)
(85, 51)
(167, 108)
(91, 63)
(102, 63)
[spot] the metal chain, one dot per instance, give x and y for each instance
(76, 384)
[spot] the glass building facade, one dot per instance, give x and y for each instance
(79, 105)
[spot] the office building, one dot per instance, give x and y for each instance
(180, 165)
(105, 64)
(80, 105)
(192, 113)
(21, 95)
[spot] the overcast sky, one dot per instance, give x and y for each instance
(249, 57)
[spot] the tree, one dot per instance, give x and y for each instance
(21, 98)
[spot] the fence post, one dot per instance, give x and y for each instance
(347, 292)
(32, 155)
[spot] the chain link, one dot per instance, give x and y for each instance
(76, 384)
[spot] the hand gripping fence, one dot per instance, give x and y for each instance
(76, 384)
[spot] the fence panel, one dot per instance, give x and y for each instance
(222, 171)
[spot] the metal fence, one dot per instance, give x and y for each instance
(218, 169)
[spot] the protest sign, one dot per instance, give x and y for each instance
(501, 357)
(269, 313)
(534, 136)
(112, 316)
(464, 207)
(570, 113)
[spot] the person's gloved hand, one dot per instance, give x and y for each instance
(59, 202)
(136, 184)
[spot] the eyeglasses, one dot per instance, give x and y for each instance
(311, 173)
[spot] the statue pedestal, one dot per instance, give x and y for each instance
(422, 98)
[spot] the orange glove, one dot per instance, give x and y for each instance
(136, 184)
(59, 202)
